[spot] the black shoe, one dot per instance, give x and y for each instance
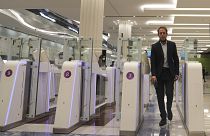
(170, 116)
(162, 122)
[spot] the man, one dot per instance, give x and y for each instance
(165, 70)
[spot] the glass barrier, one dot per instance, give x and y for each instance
(86, 50)
(52, 49)
(131, 49)
(111, 57)
(70, 49)
(6, 48)
(180, 89)
(189, 50)
(188, 53)
(45, 58)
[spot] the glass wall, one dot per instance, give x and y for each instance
(46, 58)
(130, 49)
(15, 45)
(44, 75)
(188, 53)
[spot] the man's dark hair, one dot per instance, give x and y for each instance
(162, 27)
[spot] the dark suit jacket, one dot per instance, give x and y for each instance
(157, 59)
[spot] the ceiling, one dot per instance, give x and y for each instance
(186, 18)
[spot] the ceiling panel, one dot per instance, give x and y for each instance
(193, 4)
(125, 10)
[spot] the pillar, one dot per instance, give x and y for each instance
(91, 21)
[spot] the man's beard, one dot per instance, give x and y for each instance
(163, 41)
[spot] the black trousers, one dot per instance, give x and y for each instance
(165, 85)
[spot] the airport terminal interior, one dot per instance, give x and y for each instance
(83, 67)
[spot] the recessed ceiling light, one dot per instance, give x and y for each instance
(47, 17)
(188, 34)
(158, 22)
(191, 36)
(154, 32)
(157, 6)
(170, 7)
(155, 38)
(191, 24)
(207, 45)
(72, 29)
(204, 40)
(182, 28)
(203, 49)
(190, 15)
(197, 9)
(76, 21)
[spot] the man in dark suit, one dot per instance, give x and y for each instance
(165, 70)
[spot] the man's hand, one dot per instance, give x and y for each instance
(154, 79)
(176, 77)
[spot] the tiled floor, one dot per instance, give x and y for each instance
(112, 128)
(206, 86)
(207, 105)
(103, 116)
(150, 125)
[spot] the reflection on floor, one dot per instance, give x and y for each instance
(103, 115)
(206, 89)
(206, 86)
(106, 124)
(151, 127)
(102, 124)
(46, 120)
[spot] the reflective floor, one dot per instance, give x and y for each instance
(151, 122)
(150, 125)
(206, 99)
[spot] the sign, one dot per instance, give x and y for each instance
(67, 74)
(130, 75)
(8, 73)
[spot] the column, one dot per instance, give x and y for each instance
(91, 21)
(91, 26)
(125, 28)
